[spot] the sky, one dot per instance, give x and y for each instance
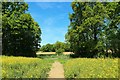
(53, 19)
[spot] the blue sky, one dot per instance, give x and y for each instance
(53, 19)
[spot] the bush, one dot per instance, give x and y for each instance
(59, 51)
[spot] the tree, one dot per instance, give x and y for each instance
(59, 51)
(113, 29)
(67, 47)
(47, 48)
(58, 46)
(88, 27)
(21, 34)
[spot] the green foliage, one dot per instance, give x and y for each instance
(59, 51)
(55, 47)
(91, 68)
(63, 46)
(47, 48)
(58, 45)
(90, 26)
(113, 30)
(21, 34)
(21, 67)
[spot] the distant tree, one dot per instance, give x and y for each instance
(47, 48)
(58, 46)
(59, 51)
(21, 34)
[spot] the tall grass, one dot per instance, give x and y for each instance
(22, 67)
(91, 68)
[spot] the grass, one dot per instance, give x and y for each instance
(86, 67)
(22, 67)
(54, 57)
(91, 68)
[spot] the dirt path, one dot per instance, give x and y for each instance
(57, 70)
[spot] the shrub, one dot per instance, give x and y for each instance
(59, 51)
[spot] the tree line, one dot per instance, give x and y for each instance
(94, 29)
(56, 47)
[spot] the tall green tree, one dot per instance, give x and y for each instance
(113, 28)
(89, 25)
(21, 34)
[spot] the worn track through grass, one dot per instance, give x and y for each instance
(57, 70)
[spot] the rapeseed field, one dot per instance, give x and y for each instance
(22, 67)
(91, 68)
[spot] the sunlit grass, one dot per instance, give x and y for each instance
(22, 67)
(91, 68)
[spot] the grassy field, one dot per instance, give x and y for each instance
(87, 67)
(22, 67)
(91, 68)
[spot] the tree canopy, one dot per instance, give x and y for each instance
(92, 27)
(20, 33)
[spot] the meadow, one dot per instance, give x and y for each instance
(87, 67)
(91, 68)
(22, 67)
